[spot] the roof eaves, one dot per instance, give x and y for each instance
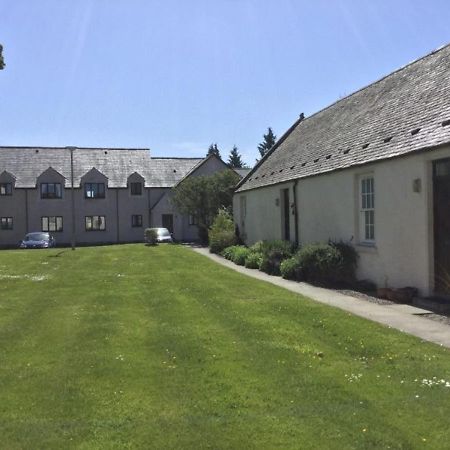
(275, 146)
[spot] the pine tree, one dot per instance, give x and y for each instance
(268, 142)
(235, 159)
(213, 150)
(2, 62)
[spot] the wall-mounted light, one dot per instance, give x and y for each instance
(417, 185)
(277, 202)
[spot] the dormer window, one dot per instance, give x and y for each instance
(94, 190)
(136, 188)
(5, 188)
(51, 190)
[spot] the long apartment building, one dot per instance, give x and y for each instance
(97, 195)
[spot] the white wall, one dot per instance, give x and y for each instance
(328, 208)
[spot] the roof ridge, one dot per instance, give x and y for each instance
(76, 148)
(175, 157)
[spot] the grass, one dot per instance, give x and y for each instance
(157, 347)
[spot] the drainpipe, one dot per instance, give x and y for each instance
(149, 205)
(296, 213)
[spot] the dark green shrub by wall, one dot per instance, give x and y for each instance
(253, 260)
(291, 269)
(273, 253)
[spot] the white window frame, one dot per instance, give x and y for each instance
(51, 224)
(366, 203)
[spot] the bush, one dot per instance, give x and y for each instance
(240, 254)
(349, 262)
(291, 269)
(236, 253)
(150, 236)
(322, 263)
(273, 253)
(221, 233)
(253, 260)
(257, 247)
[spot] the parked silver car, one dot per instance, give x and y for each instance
(37, 240)
(163, 235)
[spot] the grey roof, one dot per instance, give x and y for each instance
(242, 172)
(27, 163)
(167, 172)
(404, 112)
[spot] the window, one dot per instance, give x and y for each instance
(52, 223)
(94, 190)
(193, 220)
(95, 223)
(136, 188)
(367, 212)
(6, 223)
(5, 188)
(51, 190)
(136, 221)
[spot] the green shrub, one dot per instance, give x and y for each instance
(291, 269)
(321, 263)
(235, 253)
(349, 263)
(257, 247)
(284, 248)
(240, 254)
(150, 236)
(273, 253)
(228, 252)
(253, 260)
(221, 233)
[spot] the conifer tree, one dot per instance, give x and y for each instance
(235, 159)
(2, 62)
(213, 150)
(267, 143)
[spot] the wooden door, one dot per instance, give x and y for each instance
(167, 222)
(286, 217)
(441, 189)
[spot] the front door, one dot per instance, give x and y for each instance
(441, 189)
(167, 222)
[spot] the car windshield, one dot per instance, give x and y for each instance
(37, 237)
(163, 232)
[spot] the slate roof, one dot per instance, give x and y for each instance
(404, 112)
(27, 163)
(167, 172)
(242, 172)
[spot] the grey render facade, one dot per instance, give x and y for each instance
(116, 194)
(372, 170)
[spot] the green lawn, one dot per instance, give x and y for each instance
(139, 347)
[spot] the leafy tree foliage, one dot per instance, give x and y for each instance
(2, 62)
(235, 159)
(213, 150)
(203, 197)
(267, 143)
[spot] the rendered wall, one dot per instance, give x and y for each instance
(328, 208)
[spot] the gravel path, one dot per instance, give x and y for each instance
(379, 301)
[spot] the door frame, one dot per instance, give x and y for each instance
(434, 235)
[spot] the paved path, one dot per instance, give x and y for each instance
(402, 318)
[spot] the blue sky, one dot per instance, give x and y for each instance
(176, 75)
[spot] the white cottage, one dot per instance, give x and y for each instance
(372, 169)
